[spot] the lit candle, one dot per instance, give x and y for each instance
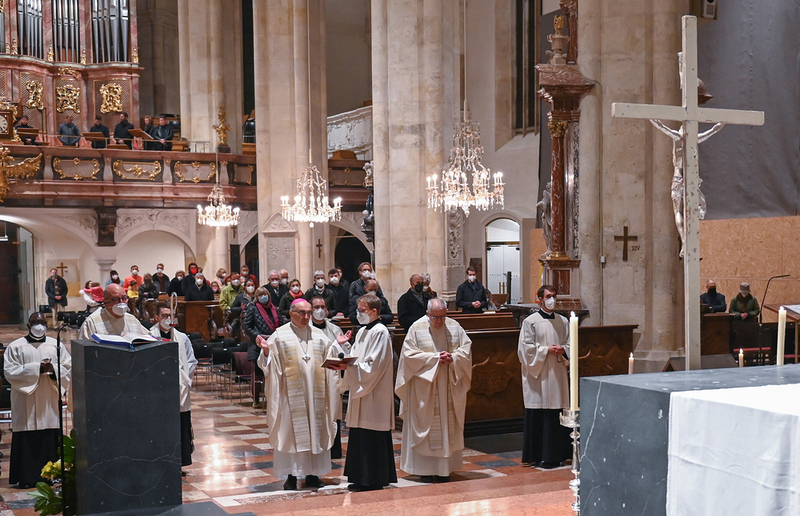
(781, 335)
(573, 361)
(741, 357)
(630, 364)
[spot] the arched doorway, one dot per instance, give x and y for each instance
(502, 258)
(350, 251)
(16, 273)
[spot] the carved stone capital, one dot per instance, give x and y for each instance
(558, 128)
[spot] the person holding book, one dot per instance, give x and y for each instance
(114, 318)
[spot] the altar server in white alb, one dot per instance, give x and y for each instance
(187, 363)
(301, 397)
(31, 369)
(543, 344)
(433, 378)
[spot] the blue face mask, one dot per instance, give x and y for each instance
(263, 300)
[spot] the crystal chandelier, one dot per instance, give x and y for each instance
(217, 213)
(311, 202)
(454, 191)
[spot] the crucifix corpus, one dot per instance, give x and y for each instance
(685, 142)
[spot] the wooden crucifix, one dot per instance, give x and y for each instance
(319, 248)
(62, 268)
(690, 115)
(625, 238)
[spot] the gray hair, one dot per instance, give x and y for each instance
(318, 273)
(426, 277)
(436, 303)
(273, 271)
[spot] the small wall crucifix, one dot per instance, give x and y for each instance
(319, 248)
(63, 268)
(625, 238)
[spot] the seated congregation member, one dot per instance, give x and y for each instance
(30, 366)
(114, 318)
(341, 292)
(92, 293)
(198, 290)
(188, 280)
(230, 291)
(187, 363)
(372, 287)
(215, 288)
(295, 292)
(543, 342)
(301, 397)
(113, 277)
(319, 289)
(148, 290)
(176, 284)
(471, 295)
(276, 289)
(247, 296)
(357, 288)
(260, 320)
(433, 377)
(412, 305)
(370, 410)
(426, 285)
(133, 290)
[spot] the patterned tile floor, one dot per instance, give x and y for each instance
(233, 467)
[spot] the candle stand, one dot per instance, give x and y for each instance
(571, 419)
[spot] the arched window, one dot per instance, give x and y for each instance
(503, 260)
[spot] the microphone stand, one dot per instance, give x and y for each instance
(761, 314)
(60, 400)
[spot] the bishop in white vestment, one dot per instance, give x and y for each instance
(31, 367)
(301, 398)
(114, 319)
(433, 378)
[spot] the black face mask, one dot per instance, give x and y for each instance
(418, 288)
(712, 291)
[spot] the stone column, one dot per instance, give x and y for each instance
(415, 57)
(282, 125)
(210, 50)
(558, 128)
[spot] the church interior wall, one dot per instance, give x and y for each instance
(158, 38)
(348, 54)
(149, 248)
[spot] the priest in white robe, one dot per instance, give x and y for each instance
(543, 344)
(301, 397)
(114, 318)
(370, 410)
(433, 378)
(31, 368)
(187, 363)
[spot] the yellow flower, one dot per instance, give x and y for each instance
(52, 470)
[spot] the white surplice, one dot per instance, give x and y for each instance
(103, 323)
(187, 363)
(369, 380)
(545, 382)
(433, 397)
(300, 431)
(332, 332)
(34, 396)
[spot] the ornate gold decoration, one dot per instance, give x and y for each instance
(135, 55)
(112, 97)
(7, 105)
(16, 137)
(77, 161)
(83, 56)
(35, 95)
(558, 128)
(222, 128)
(558, 22)
(66, 70)
(3, 6)
(135, 171)
(51, 56)
(196, 166)
(10, 170)
(14, 47)
(68, 98)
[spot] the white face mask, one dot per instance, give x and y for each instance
(366, 275)
(318, 314)
(120, 309)
(275, 283)
(285, 281)
(115, 276)
(550, 303)
(38, 330)
(320, 282)
(472, 278)
(235, 283)
(134, 272)
(334, 280)
(199, 282)
(250, 289)
(363, 318)
(160, 271)
(295, 289)
(165, 323)
(426, 288)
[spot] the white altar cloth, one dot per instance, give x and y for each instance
(734, 452)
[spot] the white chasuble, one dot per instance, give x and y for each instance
(34, 396)
(433, 397)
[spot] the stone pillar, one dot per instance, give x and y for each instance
(415, 57)
(558, 128)
(210, 47)
(158, 26)
(282, 126)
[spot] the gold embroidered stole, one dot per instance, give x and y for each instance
(295, 389)
(427, 344)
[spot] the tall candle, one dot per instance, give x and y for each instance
(781, 335)
(573, 361)
(630, 364)
(741, 357)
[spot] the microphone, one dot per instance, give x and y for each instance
(341, 355)
(764, 297)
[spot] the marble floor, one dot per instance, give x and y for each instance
(233, 468)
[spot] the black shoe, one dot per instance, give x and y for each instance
(183, 473)
(290, 484)
(439, 479)
(360, 487)
(314, 481)
(428, 479)
(549, 465)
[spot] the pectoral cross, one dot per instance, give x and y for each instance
(306, 358)
(63, 268)
(319, 247)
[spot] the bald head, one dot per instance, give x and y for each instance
(300, 313)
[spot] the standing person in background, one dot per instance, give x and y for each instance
(275, 288)
(160, 279)
(199, 290)
(56, 289)
(113, 278)
(471, 295)
(341, 294)
(260, 320)
(176, 284)
(295, 292)
(745, 305)
(68, 133)
(122, 131)
(98, 127)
